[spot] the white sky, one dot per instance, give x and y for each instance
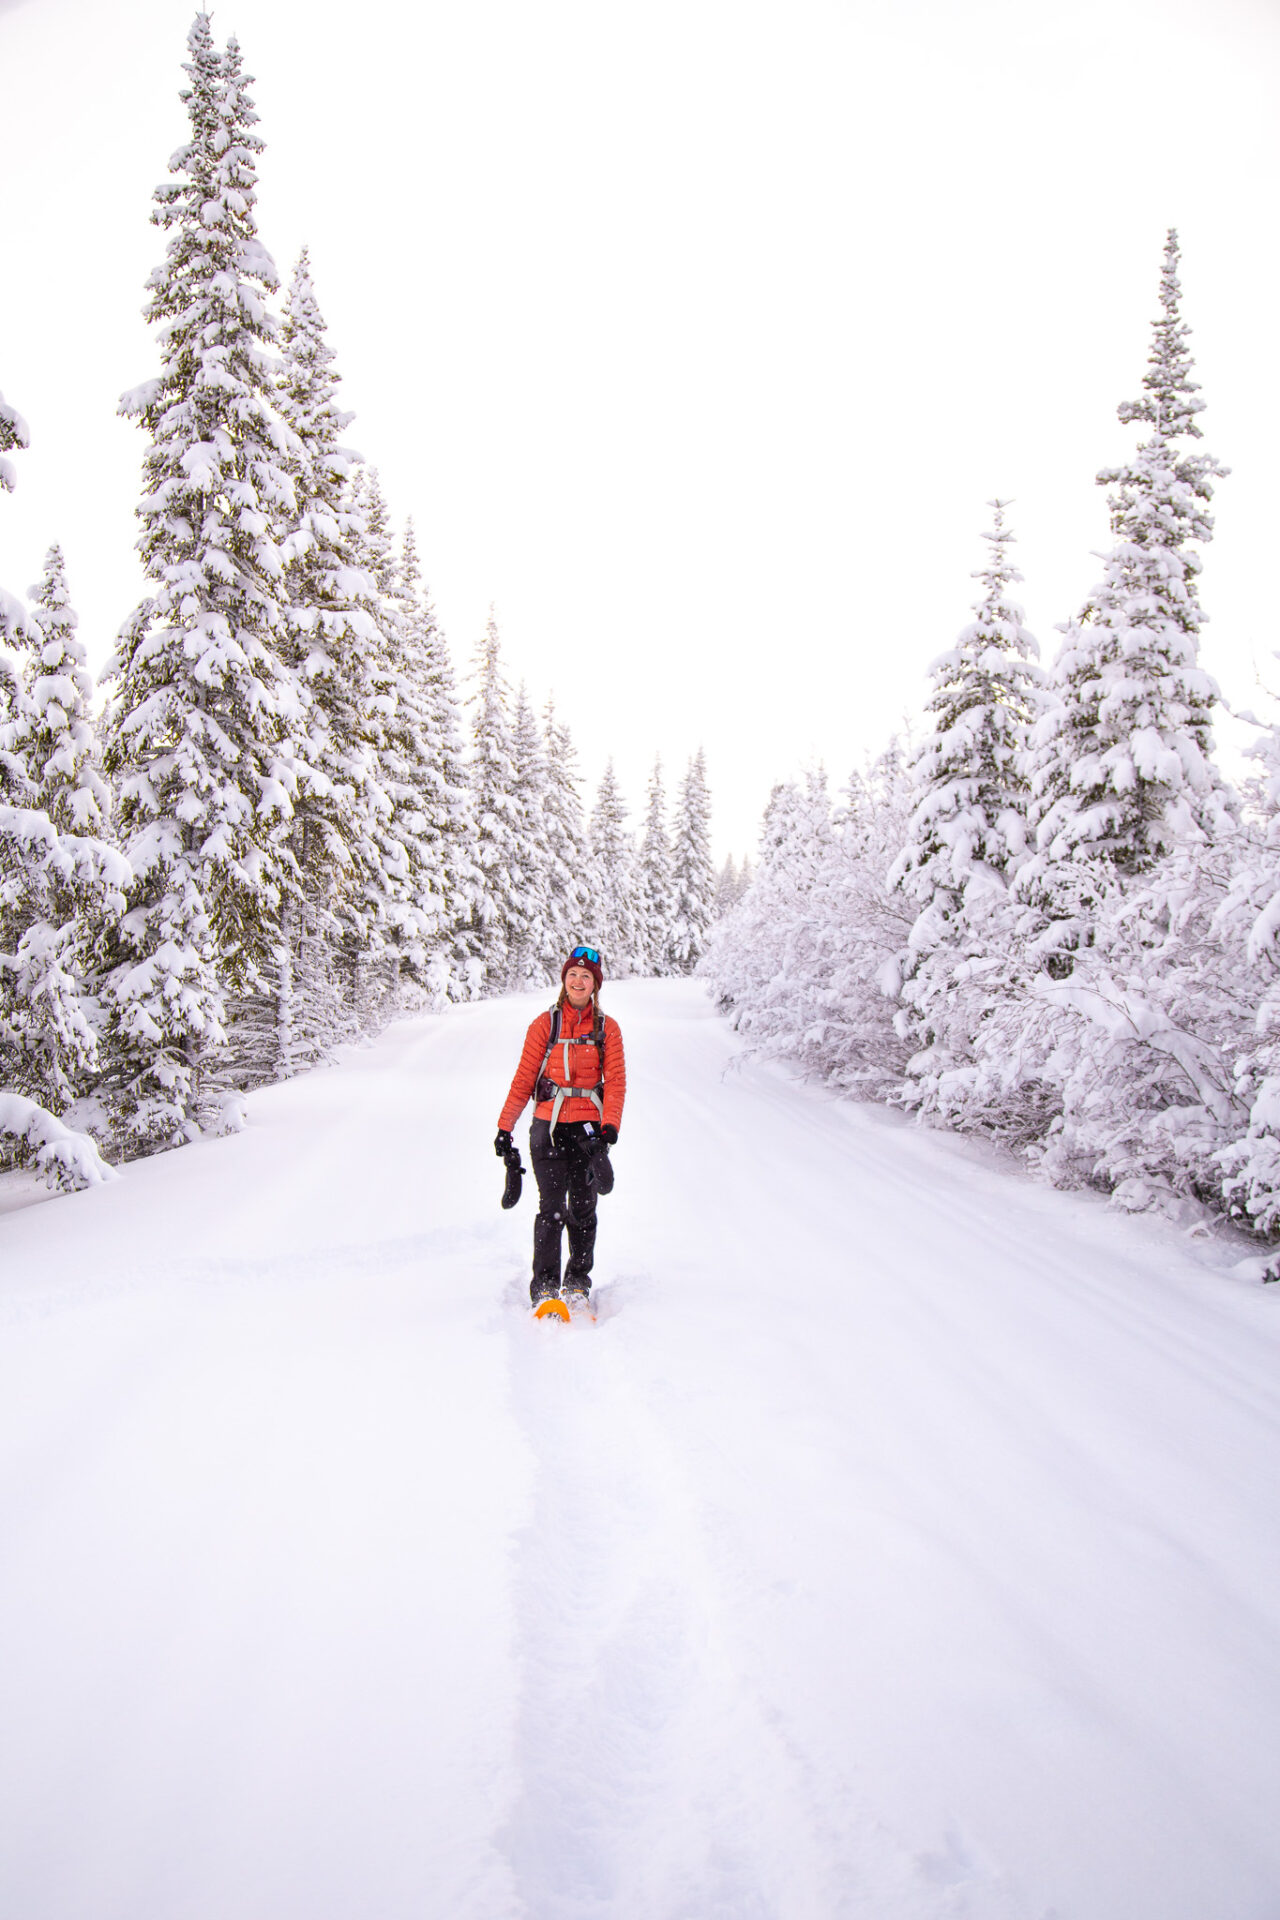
(693, 334)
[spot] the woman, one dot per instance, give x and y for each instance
(573, 1067)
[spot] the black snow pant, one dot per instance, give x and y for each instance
(566, 1197)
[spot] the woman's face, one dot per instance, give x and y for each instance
(578, 983)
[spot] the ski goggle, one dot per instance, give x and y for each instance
(586, 953)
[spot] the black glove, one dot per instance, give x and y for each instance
(515, 1180)
(609, 1136)
(504, 1143)
(600, 1166)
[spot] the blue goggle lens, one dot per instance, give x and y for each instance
(586, 953)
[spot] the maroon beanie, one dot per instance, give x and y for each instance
(593, 967)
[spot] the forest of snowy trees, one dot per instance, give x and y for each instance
(286, 822)
(1053, 923)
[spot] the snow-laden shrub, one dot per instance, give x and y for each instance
(1147, 1029)
(35, 1138)
(805, 963)
(1116, 1067)
(1250, 914)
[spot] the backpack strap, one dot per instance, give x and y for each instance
(594, 1039)
(552, 1036)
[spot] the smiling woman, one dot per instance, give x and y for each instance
(573, 1068)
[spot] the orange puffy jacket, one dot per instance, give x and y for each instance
(584, 1066)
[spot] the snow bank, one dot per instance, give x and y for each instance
(899, 1544)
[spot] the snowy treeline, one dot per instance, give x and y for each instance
(1056, 925)
(287, 822)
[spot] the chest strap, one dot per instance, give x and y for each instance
(555, 1091)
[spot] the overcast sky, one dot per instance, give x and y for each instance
(695, 335)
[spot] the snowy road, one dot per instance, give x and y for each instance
(902, 1544)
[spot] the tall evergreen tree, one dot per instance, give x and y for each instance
(968, 825)
(59, 880)
(657, 888)
(196, 720)
(568, 852)
(444, 784)
(527, 933)
(27, 840)
(418, 909)
(405, 898)
(755, 968)
(47, 1043)
(62, 746)
(336, 649)
(13, 619)
(693, 874)
(493, 784)
(1121, 762)
(967, 833)
(615, 880)
(799, 962)
(13, 435)
(732, 882)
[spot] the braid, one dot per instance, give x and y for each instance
(563, 1000)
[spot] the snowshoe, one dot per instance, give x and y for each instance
(551, 1307)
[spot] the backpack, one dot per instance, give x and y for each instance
(548, 1089)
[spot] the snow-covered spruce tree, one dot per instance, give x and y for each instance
(13, 435)
(750, 956)
(335, 649)
(444, 790)
(851, 1038)
(62, 746)
(406, 906)
(1120, 765)
(1247, 925)
(195, 728)
(569, 870)
(1118, 1074)
(47, 1042)
(1145, 1031)
(803, 961)
(1137, 1070)
(66, 886)
(1099, 1054)
(13, 628)
(692, 872)
(968, 819)
(966, 835)
(527, 935)
(657, 886)
(732, 882)
(497, 814)
(614, 881)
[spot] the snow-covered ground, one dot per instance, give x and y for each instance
(902, 1543)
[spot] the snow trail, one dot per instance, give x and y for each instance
(899, 1543)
